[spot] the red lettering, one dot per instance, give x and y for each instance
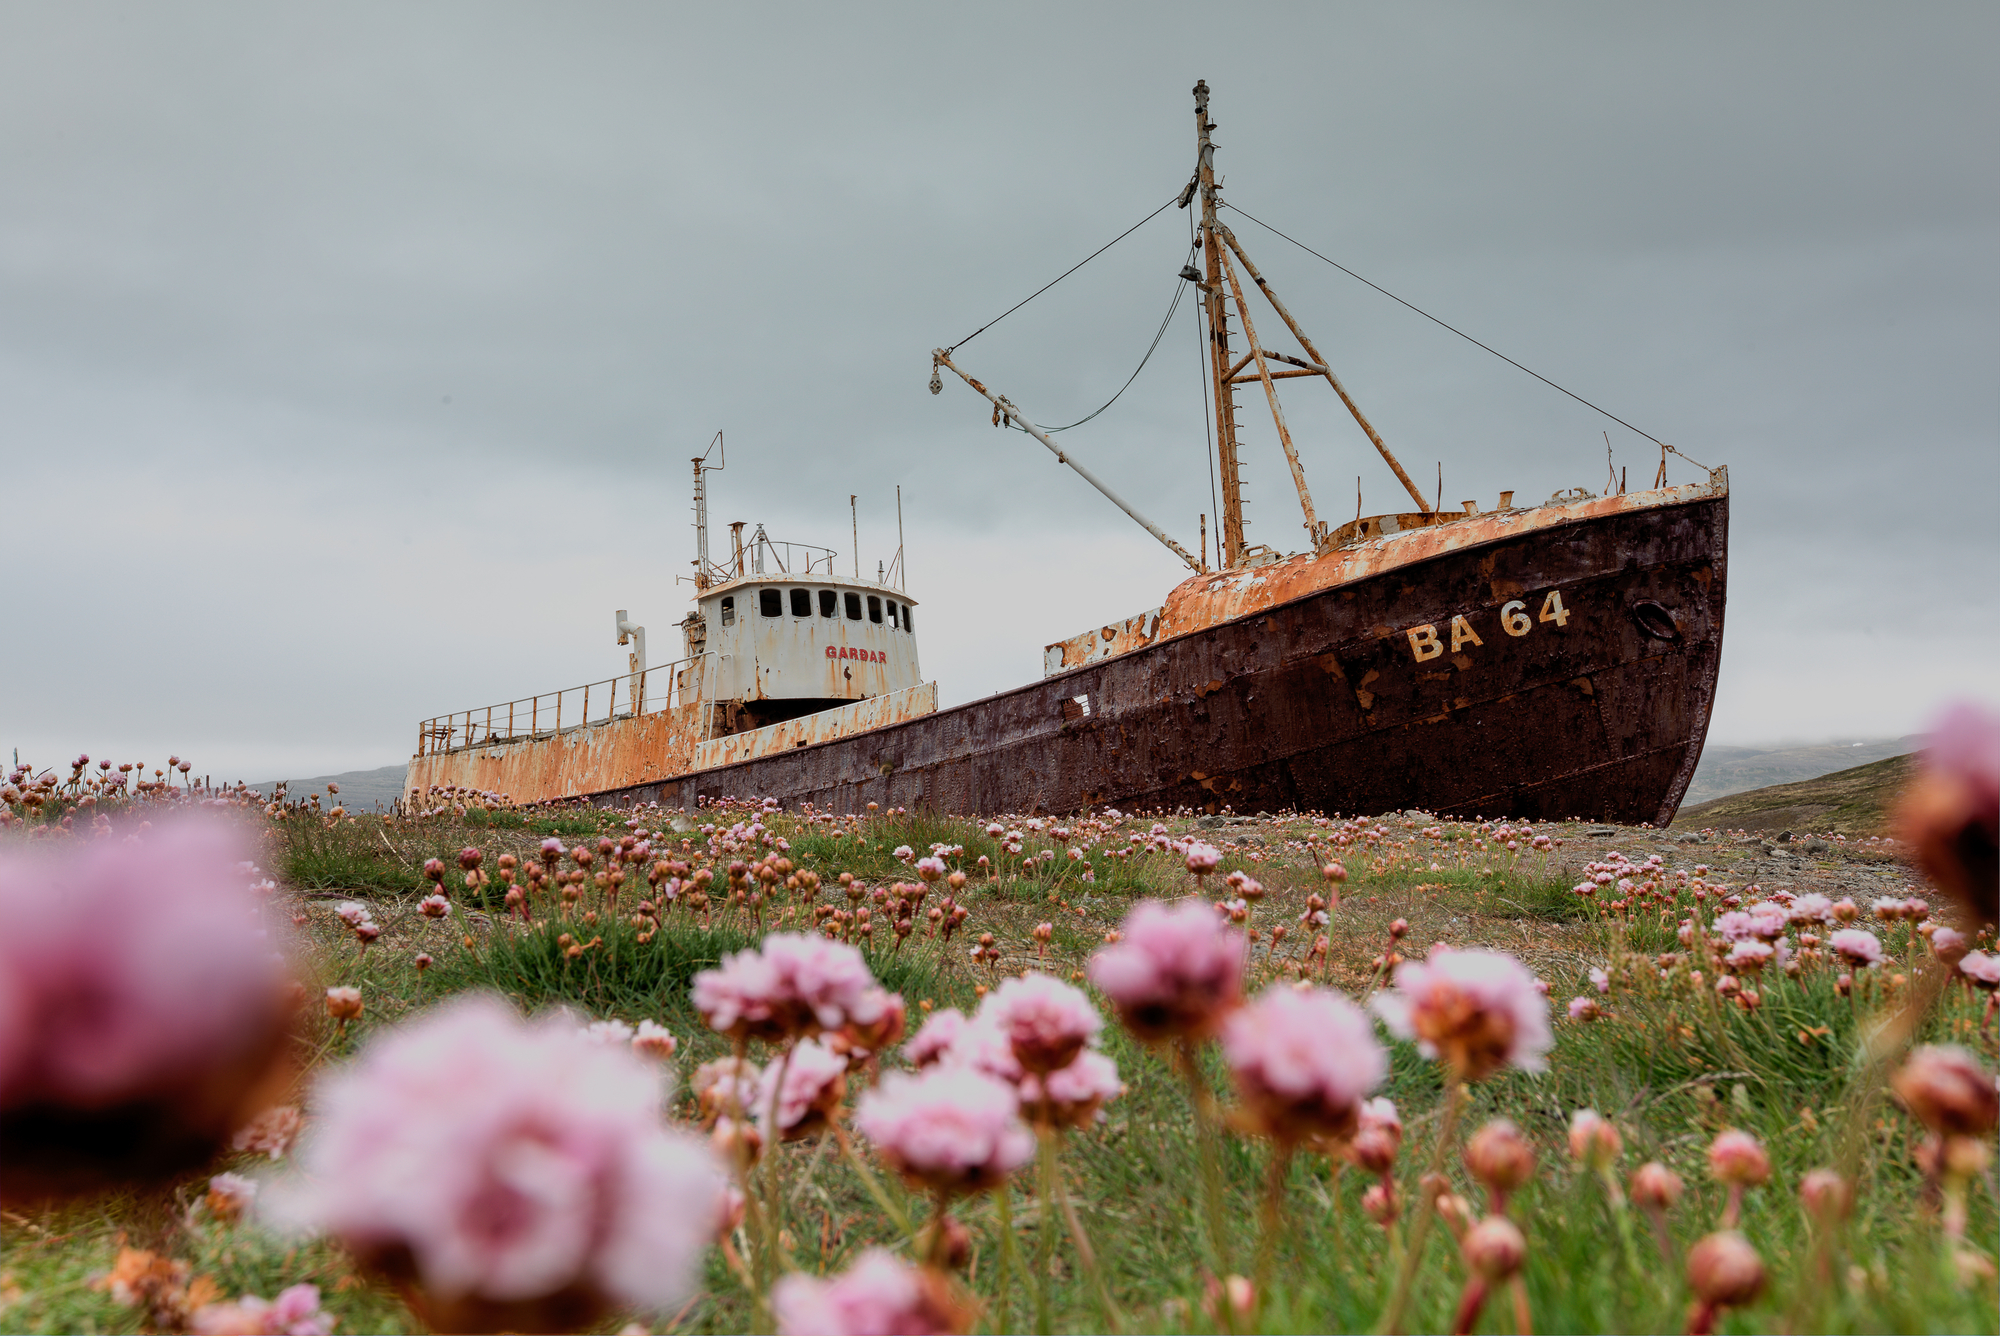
(829, 651)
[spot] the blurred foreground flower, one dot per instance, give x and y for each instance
(295, 1312)
(142, 1010)
(506, 1176)
(1950, 814)
(879, 1295)
(1174, 972)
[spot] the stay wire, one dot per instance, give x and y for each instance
(1180, 286)
(1171, 199)
(1461, 333)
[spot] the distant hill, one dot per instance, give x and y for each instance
(360, 790)
(1849, 802)
(1726, 770)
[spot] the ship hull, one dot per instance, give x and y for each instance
(1413, 688)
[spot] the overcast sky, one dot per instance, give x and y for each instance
(351, 357)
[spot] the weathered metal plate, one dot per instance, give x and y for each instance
(813, 729)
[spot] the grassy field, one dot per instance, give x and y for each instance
(1855, 801)
(1670, 1063)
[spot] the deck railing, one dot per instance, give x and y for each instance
(627, 696)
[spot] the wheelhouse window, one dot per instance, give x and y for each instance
(802, 603)
(729, 610)
(771, 602)
(893, 622)
(909, 618)
(874, 609)
(829, 603)
(853, 607)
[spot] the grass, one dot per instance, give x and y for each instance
(1671, 1064)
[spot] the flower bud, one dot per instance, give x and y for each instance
(1944, 1088)
(1593, 1140)
(1494, 1248)
(1738, 1159)
(343, 1004)
(1724, 1270)
(1826, 1196)
(1655, 1187)
(1500, 1157)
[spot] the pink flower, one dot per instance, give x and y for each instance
(935, 1038)
(815, 1084)
(932, 868)
(271, 1132)
(1202, 859)
(1175, 970)
(1303, 1062)
(1073, 1096)
(1749, 955)
(1584, 1009)
(505, 1165)
(951, 1129)
(793, 985)
(136, 990)
(1479, 1011)
(880, 1295)
(1812, 907)
(1047, 1021)
(652, 1040)
(1982, 967)
(295, 1312)
(1860, 947)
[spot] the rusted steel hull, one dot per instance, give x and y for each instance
(1414, 686)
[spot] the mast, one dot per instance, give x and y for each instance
(1231, 537)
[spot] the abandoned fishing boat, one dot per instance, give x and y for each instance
(1542, 660)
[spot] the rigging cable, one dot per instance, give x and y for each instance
(1180, 286)
(1171, 199)
(1461, 333)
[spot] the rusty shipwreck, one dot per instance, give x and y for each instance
(1541, 660)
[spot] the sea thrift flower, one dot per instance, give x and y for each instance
(343, 1004)
(1949, 945)
(1046, 1021)
(1826, 1196)
(1944, 1088)
(880, 1295)
(271, 1132)
(793, 985)
(1982, 968)
(652, 1040)
(522, 1180)
(1201, 858)
(950, 1129)
(1738, 1159)
(434, 906)
(1501, 1159)
(1593, 1141)
(135, 991)
(1303, 1062)
(607, 1032)
(1655, 1187)
(1950, 814)
(815, 1084)
(295, 1312)
(1857, 946)
(1584, 1009)
(1174, 971)
(1478, 1011)
(1724, 1271)
(229, 1196)
(1075, 1095)
(935, 1037)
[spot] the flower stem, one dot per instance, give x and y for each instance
(774, 1183)
(1045, 1224)
(1207, 1135)
(1420, 1230)
(1087, 1255)
(1273, 1219)
(1003, 1200)
(870, 1181)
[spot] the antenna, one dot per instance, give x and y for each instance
(855, 516)
(701, 466)
(903, 572)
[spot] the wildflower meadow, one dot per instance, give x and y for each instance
(268, 1065)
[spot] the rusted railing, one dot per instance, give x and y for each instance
(626, 696)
